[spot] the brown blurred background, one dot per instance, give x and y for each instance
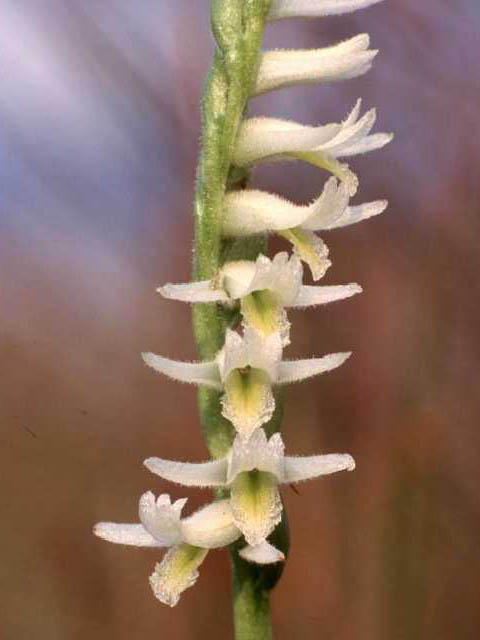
(99, 131)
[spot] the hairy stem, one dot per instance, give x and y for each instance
(238, 27)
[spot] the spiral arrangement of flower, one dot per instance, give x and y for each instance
(241, 297)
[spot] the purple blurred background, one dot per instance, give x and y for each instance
(99, 132)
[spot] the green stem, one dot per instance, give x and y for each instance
(252, 585)
(238, 27)
(251, 605)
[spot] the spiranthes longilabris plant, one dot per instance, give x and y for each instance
(240, 298)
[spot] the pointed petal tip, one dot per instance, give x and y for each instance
(148, 358)
(351, 463)
(166, 291)
(381, 206)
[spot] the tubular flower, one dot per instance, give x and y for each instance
(188, 539)
(284, 68)
(268, 139)
(252, 471)
(245, 370)
(264, 287)
(315, 8)
(251, 212)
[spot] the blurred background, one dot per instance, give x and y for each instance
(99, 136)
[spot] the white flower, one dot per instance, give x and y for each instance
(245, 370)
(264, 287)
(249, 212)
(252, 470)
(283, 68)
(314, 8)
(189, 539)
(263, 139)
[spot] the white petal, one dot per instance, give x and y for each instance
(369, 143)
(315, 8)
(352, 215)
(131, 534)
(330, 206)
(256, 505)
(281, 275)
(283, 68)
(249, 212)
(263, 138)
(236, 278)
(349, 135)
(288, 274)
(160, 518)
(211, 526)
(353, 115)
(257, 453)
(176, 572)
(296, 370)
(311, 296)
(250, 350)
(263, 553)
(205, 373)
(303, 468)
(188, 474)
(193, 292)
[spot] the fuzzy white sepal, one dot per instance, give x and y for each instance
(199, 373)
(296, 370)
(202, 291)
(133, 535)
(301, 468)
(311, 296)
(315, 8)
(203, 474)
(283, 68)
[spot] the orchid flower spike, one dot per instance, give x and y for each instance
(315, 8)
(188, 539)
(284, 68)
(252, 471)
(267, 139)
(264, 287)
(245, 370)
(250, 212)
